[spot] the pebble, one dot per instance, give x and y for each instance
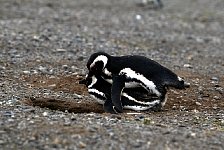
(65, 67)
(138, 17)
(188, 66)
(42, 69)
(148, 121)
(82, 144)
(52, 85)
(219, 89)
(2, 68)
(222, 122)
(2, 142)
(60, 50)
(77, 96)
(201, 90)
(216, 98)
(8, 113)
(26, 72)
(191, 135)
(25, 108)
(45, 113)
(215, 79)
(197, 103)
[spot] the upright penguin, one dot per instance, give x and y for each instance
(131, 98)
(133, 71)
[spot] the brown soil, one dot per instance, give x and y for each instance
(189, 99)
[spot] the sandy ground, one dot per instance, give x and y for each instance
(44, 46)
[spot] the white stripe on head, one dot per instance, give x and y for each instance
(102, 58)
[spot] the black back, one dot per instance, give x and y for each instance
(150, 69)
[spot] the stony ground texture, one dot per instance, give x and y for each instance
(44, 46)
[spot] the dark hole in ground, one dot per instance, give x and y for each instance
(65, 105)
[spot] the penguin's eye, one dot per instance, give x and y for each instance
(89, 81)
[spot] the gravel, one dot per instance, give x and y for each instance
(48, 39)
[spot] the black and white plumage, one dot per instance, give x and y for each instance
(133, 71)
(131, 98)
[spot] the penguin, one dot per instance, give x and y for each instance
(133, 71)
(137, 99)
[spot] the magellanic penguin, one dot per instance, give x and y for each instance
(133, 71)
(137, 99)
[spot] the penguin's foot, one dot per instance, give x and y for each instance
(157, 107)
(109, 108)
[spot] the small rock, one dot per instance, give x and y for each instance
(29, 110)
(26, 72)
(199, 40)
(60, 50)
(8, 113)
(92, 129)
(215, 107)
(215, 79)
(52, 85)
(174, 107)
(148, 121)
(201, 90)
(150, 4)
(2, 68)
(197, 103)
(141, 117)
(188, 66)
(36, 37)
(45, 113)
(216, 98)
(73, 68)
(195, 111)
(191, 135)
(82, 145)
(138, 17)
(219, 89)
(67, 122)
(222, 122)
(65, 67)
(42, 69)
(2, 142)
(77, 96)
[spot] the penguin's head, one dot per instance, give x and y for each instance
(97, 62)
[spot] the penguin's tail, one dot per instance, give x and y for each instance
(177, 83)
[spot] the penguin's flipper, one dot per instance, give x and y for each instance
(116, 89)
(109, 107)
